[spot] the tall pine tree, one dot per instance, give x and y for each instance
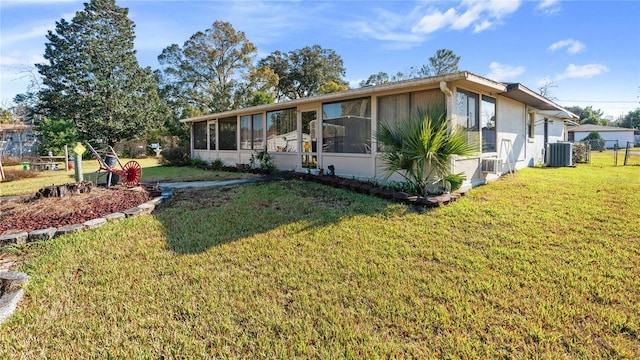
(93, 77)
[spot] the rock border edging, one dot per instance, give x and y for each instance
(24, 238)
(11, 282)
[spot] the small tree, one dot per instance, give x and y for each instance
(56, 134)
(445, 61)
(596, 141)
(420, 147)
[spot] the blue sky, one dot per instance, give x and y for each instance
(590, 50)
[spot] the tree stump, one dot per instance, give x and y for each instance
(64, 190)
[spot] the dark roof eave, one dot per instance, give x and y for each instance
(521, 93)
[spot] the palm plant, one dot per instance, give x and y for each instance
(420, 147)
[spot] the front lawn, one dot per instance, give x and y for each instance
(541, 264)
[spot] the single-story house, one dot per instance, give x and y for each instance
(514, 125)
(610, 134)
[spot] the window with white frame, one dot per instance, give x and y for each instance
(346, 126)
(467, 110)
(212, 136)
(251, 137)
(200, 135)
(531, 125)
(488, 124)
(228, 130)
(477, 115)
(282, 130)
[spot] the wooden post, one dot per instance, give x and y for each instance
(1, 171)
(66, 158)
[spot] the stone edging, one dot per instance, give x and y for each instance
(24, 237)
(11, 292)
(11, 282)
(384, 193)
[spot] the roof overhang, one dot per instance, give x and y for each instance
(513, 91)
(545, 106)
(359, 92)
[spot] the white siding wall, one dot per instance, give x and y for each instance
(512, 134)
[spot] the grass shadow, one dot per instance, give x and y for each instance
(197, 219)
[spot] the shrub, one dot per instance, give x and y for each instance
(419, 148)
(178, 156)
(217, 164)
(266, 160)
(596, 141)
(11, 160)
(13, 175)
(580, 153)
(197, 162)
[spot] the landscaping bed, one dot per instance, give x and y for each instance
(29, 213)
(384, 192)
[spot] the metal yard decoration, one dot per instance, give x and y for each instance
(129, 173)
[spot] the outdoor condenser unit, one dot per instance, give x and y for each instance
(492, 165)
(559, 154)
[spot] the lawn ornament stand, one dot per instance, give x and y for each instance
(130, 174)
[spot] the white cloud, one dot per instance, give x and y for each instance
(479, 14)
(549, 6)
(572, 46)
(434, 20)
(502, 72)
(20, 60)
(34, 32)
(385, 26)
(582, 71)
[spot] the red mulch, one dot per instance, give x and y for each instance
(34, 214)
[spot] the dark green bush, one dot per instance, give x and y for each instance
(217, 164)
(178, 156)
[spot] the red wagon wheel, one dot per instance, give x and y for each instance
(132, 174)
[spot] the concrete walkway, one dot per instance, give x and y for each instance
(216, 183)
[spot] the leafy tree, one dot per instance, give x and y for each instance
(376, 79)
(576, 110)
(26, 108)
(594, 117)
(56, 134)
(213, 71)
(631, 120)
(420, 147)
(596, 141)
(588, 115)
(5, 116)
(332, 87)
(92, 76)
(261, 98)
(303, 73)
(445, 61)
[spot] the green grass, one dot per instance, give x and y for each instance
(151, 172)
(541, 264)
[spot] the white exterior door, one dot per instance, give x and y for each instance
(308, 140)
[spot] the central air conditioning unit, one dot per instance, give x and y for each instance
(492, 166)
(559, 154)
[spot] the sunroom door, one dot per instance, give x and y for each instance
(308, 140)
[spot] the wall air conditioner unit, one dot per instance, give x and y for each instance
(559, 154)
(492, 166)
